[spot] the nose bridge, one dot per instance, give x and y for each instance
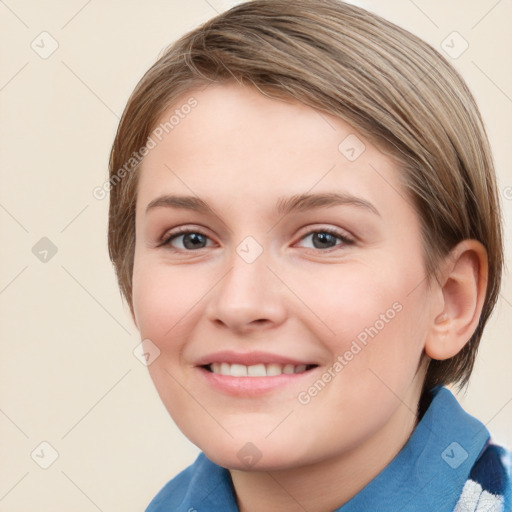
(247, 278)
(249, 291)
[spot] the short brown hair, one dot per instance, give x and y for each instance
(387, 83)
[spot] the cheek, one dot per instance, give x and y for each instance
(375, 315)
(346, 300)
(379, 331)
(167, 306)
(165, 302)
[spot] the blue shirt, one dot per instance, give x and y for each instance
(447, 464)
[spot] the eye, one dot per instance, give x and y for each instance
(189, 240)
(327, 238)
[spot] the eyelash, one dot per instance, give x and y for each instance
(184, 231)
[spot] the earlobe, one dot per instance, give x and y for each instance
(463, 285)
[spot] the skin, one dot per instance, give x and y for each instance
(240, 151)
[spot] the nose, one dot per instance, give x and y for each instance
(249, 297)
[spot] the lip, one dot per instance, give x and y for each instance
(250, 386)
(249, 359)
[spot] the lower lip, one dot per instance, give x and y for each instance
(250, 386)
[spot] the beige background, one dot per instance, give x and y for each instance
(69, 376)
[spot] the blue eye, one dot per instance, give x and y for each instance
(191, 240)
(327, 239)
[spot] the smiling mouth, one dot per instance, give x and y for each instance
(257, 370)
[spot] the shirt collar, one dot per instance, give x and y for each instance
(435, 462)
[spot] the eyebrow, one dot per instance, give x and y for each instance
(284, 205)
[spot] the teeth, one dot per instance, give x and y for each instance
(238, 370)
(256, 370)
(274, 369)
(289, 368)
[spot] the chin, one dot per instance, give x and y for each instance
(260, 455)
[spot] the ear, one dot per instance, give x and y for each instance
(462, 286)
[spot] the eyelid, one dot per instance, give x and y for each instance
(342, 233)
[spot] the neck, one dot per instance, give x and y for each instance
(330, 483)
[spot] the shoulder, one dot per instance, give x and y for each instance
(174, 492)
(489, 486)
(192, 486)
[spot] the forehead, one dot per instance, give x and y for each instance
(237, 141)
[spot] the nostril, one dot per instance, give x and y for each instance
(260, 321)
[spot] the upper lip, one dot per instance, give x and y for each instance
(248, 358)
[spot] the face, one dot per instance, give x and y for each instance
(278, 274)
